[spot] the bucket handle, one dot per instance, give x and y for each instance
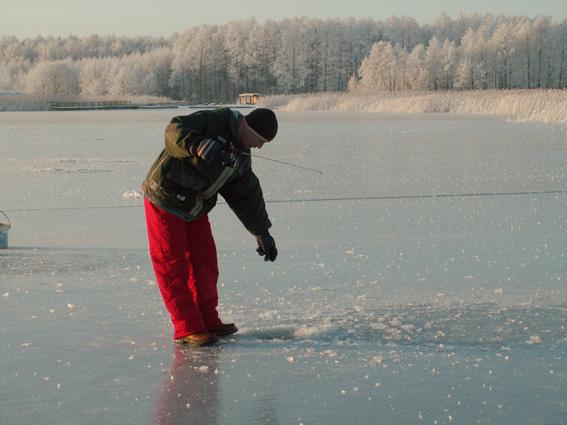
(8, 218)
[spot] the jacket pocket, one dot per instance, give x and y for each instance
(186, 177)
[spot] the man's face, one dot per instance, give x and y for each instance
(248, 138)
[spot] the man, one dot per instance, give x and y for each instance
(206, 153)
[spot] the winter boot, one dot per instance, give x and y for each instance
(224, 329)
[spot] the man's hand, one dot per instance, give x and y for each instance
(267, 247)
(214, 150)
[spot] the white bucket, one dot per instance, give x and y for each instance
(4, 227)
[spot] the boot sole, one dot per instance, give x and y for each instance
(196, 343)
(226, 333)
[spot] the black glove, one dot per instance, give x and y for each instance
(267, 247)
(214, 150)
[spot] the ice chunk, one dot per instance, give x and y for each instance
(376, 360)
(395, 322)
(131, 194)
(534, 339)
(306, 331)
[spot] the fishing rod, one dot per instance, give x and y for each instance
(353, 198)
(284, 162)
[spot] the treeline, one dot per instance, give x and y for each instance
(213, 63)
(512, 55)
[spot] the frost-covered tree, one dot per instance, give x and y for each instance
(286, 65)
(92, 80)
(378, 71)
(466, 77)
(196, 60)
(236, 55)
(12, 74)
(266, 50)
(562, 55)
(448, 64)
(544, 46)
(524, 47)
(502, 41)
(352, 86)
(125, 77)
(55, 79)
(180, 82)
(434, 64)
(157, 71)
(310, 60)
(482, 62)
(402, 31)
(416, 76)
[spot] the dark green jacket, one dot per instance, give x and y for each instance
(187, 186)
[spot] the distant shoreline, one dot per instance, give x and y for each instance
(538, 105)
(535, 105)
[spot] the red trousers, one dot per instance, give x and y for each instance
(184, 259)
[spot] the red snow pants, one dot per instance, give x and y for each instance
(184, 259)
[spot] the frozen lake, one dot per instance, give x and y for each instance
(399, 308)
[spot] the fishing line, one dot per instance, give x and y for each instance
(283, 162)
(300, 200)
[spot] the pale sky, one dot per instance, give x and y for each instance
(25, 18)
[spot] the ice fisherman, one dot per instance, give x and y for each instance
(206, 153)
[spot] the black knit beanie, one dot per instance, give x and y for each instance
(263, 121)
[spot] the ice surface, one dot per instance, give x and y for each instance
(390, 310)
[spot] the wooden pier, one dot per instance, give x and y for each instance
(90, 106)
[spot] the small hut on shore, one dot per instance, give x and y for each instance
(248, 98)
